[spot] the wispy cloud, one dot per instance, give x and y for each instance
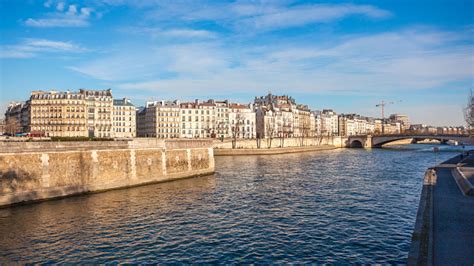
(33, 47)
(62, 16)
(184, 33)
(379, 63)
(254, 15)
(294, 16)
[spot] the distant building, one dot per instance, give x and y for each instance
(402, 119)
(124, 119)
(277, 116)
(329, 123)
(222, 119)
(198, 119)
(99, 112)
(17, 118)
(86, 113)
(242, 121)
(58, 114)
(2, 126)
(160, 119)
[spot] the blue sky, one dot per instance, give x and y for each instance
(345, 55)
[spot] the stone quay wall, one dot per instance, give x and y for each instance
(43, 173)
(336, 141)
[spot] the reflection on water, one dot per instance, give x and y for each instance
(334, 206)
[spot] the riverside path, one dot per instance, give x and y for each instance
(450, 223)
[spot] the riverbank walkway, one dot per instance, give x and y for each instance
(448, 216)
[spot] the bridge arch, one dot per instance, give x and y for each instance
(378, 141)
(356, 144)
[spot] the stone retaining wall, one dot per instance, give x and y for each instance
(27, 176)
(279, 143)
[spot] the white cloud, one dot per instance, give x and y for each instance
(34, 47)
(48, 3)
(261, 16)
(60, 6)
(72, 10)
(172, 32)
(62, 18)
(386, 62)
(189, 33)
(309, 14)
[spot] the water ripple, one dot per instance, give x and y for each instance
(343, 206)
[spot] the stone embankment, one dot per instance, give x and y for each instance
(32, 171)
(267, 151)
(277, 145)
(444, 229)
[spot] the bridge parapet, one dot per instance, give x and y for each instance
(376, 141)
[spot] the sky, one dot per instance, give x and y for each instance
(341, 55)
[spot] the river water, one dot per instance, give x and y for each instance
(340, 206)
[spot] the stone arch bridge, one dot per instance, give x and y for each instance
(369, 141)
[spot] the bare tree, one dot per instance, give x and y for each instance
(236, 129)
(469, 113)
(284, 131)
(304, 129)
(12, 126)
(270, 130)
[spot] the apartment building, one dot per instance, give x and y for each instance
(242, 121)
(17, 117)
(329, 123)
(99, 105)
(160, 119)
(222, 119)
(58, 114)
(198, 119)
(124, 119)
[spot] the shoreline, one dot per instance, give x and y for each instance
(271, 151)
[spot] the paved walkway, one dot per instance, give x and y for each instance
(453, 217)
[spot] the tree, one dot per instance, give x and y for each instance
(270, 130)
(236, 128)
(469, 113)
(304, 129)
(12, 126)
(284, 130)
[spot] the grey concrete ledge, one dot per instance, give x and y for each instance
(421, 250)
(463, 183)
(271, 151)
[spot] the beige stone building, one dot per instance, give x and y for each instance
(160, 119)
(124, 119)
(100, 108)
(17, 118)
(58, 114)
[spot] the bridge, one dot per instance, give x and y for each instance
(376, 141)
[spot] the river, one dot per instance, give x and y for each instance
(339, 206)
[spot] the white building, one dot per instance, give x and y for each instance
(242, 121)
(198, 119)
(329, 123)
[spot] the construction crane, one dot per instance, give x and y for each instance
(382, 107)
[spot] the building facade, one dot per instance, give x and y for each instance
(198, 119)
(58, 114)
(329, 123)
(160, 119)
(242, 121)
(124, 119)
